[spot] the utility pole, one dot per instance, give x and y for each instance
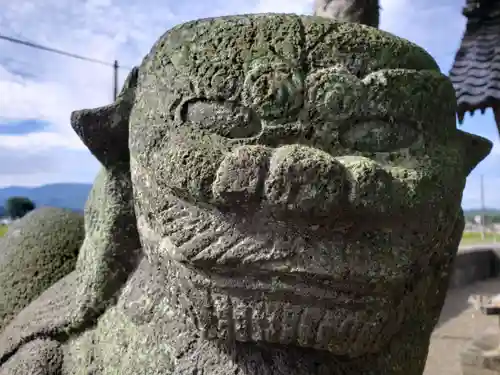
(115, 79)
(483, 209)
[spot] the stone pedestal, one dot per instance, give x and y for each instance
(482, 356)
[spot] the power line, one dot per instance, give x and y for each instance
(60, 52)
(113, 65)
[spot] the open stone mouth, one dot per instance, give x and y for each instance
(295, 286)
(260, 279)
(277, 281)
(271, 265)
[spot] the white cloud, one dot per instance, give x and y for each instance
(436, 26)
(34, 142)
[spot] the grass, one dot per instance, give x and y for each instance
(3, 229)
(474, 238)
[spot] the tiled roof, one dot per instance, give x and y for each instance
(476, 71)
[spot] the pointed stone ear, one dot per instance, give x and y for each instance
(104, 130)
(476, 149)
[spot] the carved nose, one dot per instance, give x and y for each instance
(371, 189)
(307, 181)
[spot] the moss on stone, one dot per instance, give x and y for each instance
(38, 250)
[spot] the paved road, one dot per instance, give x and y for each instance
(458, 323)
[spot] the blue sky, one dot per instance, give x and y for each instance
(38, 90)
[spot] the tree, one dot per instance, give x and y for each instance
(17, 207)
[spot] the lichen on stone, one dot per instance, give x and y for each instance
(288, 202)
(37, 251)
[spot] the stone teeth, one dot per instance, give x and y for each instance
(326, 330)
(243, 322)
(290, 322)
(308, 325)
(223, 316)
(208, 319)
(258, 321)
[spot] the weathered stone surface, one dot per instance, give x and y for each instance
(295, 184)
(38, 357)
(482, 356)
(37, 250)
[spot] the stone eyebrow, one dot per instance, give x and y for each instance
(417, 94)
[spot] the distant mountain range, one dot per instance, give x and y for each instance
(74, 196)
(64, 195)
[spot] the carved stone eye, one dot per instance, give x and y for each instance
(225, 119)
(379, 136)
(273, 90)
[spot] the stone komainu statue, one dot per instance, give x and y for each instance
(280, 194)
(38, 250)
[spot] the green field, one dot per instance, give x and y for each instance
(472, 238)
